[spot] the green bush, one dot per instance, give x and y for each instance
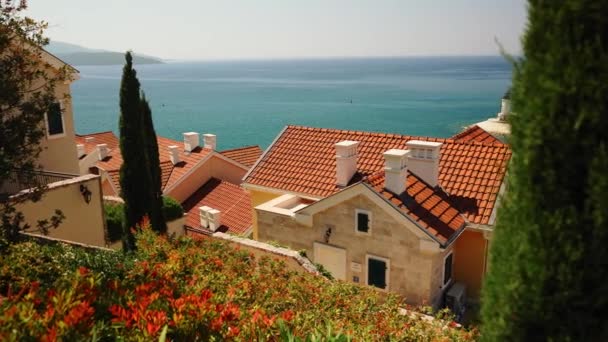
(115, 216)
(172, 209)
(114, 220)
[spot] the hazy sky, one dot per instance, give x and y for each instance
(220, 29)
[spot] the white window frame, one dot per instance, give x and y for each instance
(387, 275)
(444, 285)
(46, 123)
(369, 221)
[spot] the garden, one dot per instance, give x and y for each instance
(188, 290)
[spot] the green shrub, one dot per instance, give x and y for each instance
(172, 209)
(115, 216)
(186, 290)
(114, 220)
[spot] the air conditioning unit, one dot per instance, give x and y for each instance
(455, 300)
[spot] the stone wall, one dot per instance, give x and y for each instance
(415, 274)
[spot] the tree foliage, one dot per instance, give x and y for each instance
(548, 275)
(157, 217)
(27, 90)
(134, 175)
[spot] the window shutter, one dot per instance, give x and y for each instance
(362, 222)
(54, 119)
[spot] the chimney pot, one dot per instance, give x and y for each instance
(210, 141)
(174, 154)
(191, 141)
(204, 216)
(395, 170)
(346, 161)
(80, 150)
(424, 159)
(213, 216)
(102, 151)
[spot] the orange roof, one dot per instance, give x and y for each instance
(98, 138)
(302, 160)
(476, 133)
(170, 173)
(233, 201)
(247, 155)
(430, 207)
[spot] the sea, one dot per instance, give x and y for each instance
(250, 102)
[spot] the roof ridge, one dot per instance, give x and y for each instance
(94, 133)
(240, 148)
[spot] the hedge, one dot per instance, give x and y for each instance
(114, 214)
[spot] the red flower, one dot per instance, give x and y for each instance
(287, 315)
(83, 271)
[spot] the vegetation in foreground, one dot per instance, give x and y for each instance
(187, 289)
(548, 271)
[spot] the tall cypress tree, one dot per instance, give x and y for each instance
(548, 276)
(155, 204)
(134, 174)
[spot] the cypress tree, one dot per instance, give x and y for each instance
(134, 174)
(548, 275)
(155, 204)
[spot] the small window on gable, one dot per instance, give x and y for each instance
(429, 154)
(54, 119)
(447, 269)
(362, 221)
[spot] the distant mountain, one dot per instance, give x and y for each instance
(79, 55)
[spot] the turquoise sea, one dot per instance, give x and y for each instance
(249, 102)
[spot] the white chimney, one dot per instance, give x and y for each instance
(395, 170)
(89, 139)
(102, 151)
(80, 150)
(174, 154)
(346, 161)
(191, 141)
(505, 109)
(213, 216)
(210, 141)
(203, 216)
(423, 160)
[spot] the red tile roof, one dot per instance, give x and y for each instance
(98, 138)
(429, 207)
(170, 173)
(233, 201)
(247, 155)
(302, 160)
(476, 133)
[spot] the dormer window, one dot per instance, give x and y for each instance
(54, 121)
(363, 221)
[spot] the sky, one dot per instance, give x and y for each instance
(269, 29)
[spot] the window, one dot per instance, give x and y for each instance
(378, 272)
(362, 221)
(447, 268)
(54, 120)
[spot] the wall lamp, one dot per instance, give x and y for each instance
(86, 193)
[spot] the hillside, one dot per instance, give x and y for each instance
(79, 55)
(192, 290)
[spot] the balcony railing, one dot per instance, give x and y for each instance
(19, 180)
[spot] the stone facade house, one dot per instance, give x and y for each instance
(411, 215)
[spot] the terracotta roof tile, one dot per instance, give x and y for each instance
(233, 201)
(98, 138)
(302, 160)
(247, 155)
(170, 173)
(429, 207)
